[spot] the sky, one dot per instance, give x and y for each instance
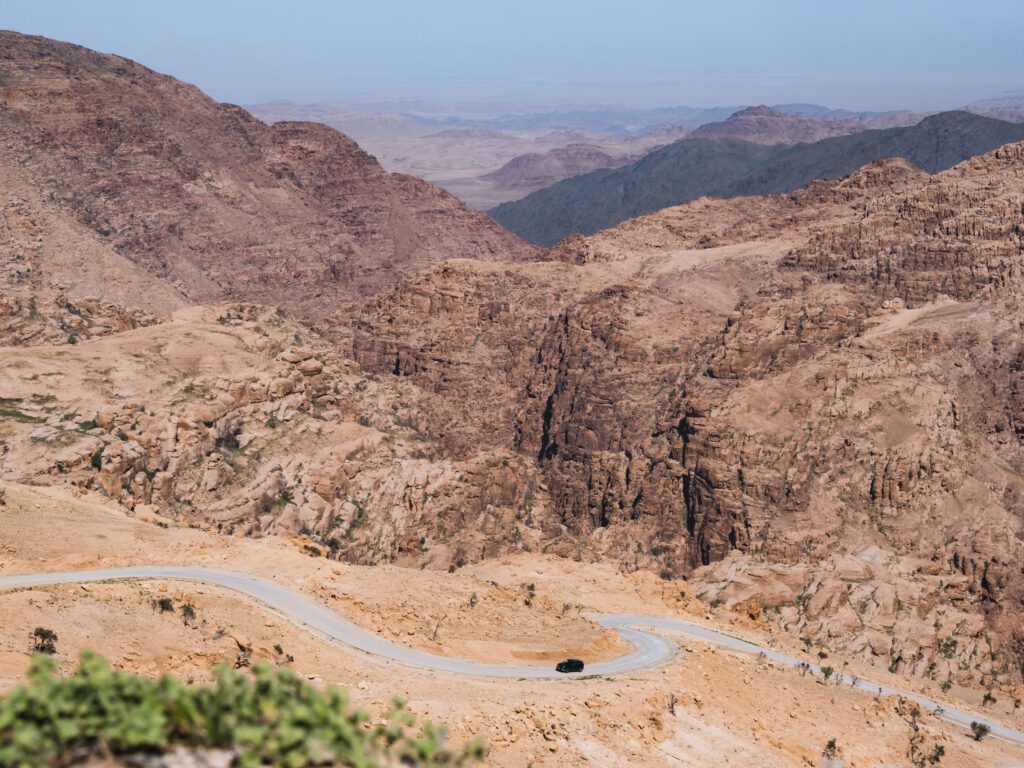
(855, 54)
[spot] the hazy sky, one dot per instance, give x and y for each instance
(864, 54)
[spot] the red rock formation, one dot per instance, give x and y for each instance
(208, 199)
(780, 378)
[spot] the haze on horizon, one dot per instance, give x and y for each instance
(870, 55)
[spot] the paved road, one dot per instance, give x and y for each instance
(648, 649)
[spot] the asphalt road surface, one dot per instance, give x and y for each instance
(648, 649)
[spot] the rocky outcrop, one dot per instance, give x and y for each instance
(964, 240)
(289, 438)
(834, 372)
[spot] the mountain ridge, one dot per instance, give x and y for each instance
(696, 167)
(209, 200)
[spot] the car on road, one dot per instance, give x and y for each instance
(569, 665)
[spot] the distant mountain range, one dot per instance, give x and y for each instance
(615, 120)
(1007, 107)
(697, 167)
(423, 117)
(764, 125)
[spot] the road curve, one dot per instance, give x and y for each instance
(648, 649)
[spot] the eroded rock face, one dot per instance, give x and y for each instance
(805, 375)
(236, 418)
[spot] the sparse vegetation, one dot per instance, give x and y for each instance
(44, 641)
(530, 592)
(229, 440)
(282, 657)
(163, 605)
(16, 415)
(979, 730)
(270, 717)
(918, 752)
(243, 658)
(947, 647)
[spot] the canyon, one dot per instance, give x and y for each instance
(796, 414)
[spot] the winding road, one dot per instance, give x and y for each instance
(648, 649)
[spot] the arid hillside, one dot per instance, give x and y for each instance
(163, 197)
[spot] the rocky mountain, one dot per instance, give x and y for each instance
(622, 120)
(696, 167)
(1012, 114)
(768, 394)
(170, 198)
(804, 403)
(764, 125)
(537, 170)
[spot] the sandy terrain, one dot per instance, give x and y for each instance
(729, 710)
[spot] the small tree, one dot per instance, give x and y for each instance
(188, 614)
(827, 673)
(979, 730)
(244, 656)
(830, 750)
(44, 641)
(531, 592)
(163, 605)
(918, 752)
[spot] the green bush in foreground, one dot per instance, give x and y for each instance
(270, 717)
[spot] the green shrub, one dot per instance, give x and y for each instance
(270, 717)
(44, 641)
(14, 413)
(163, 605)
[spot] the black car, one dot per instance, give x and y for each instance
(569, 665)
